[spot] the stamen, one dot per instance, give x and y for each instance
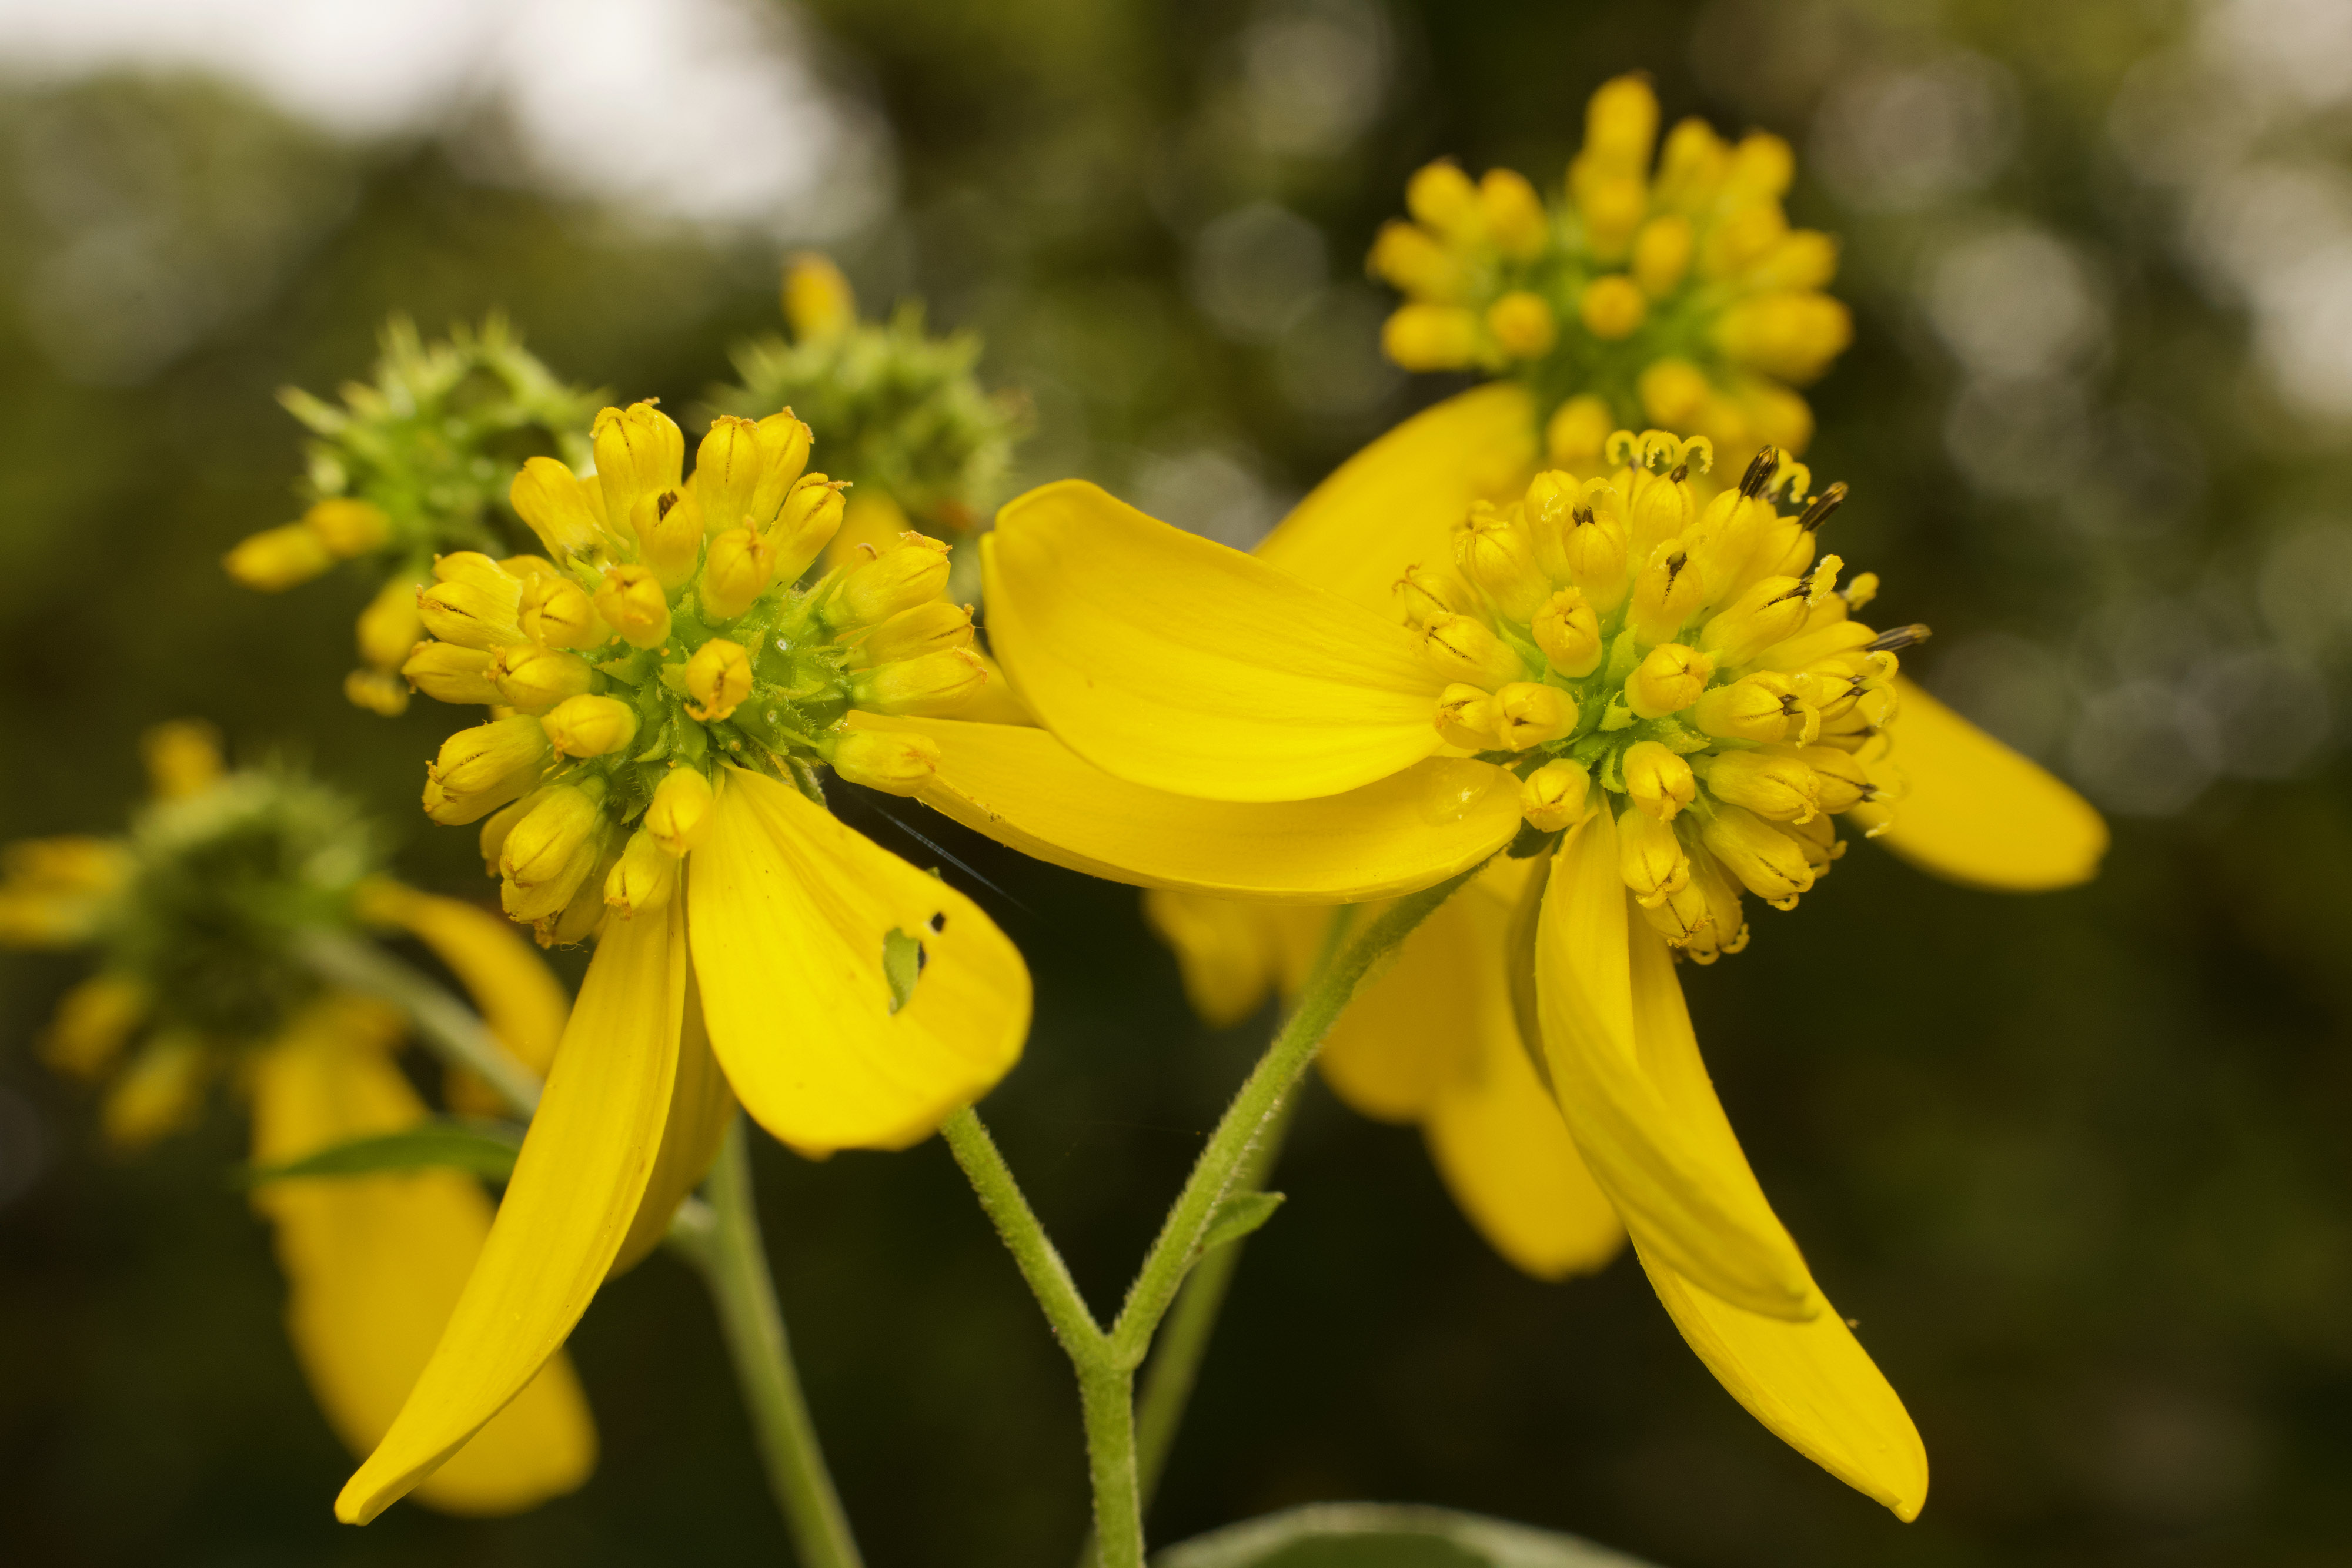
(1900, 637)
(1819, 512)
(1760, 472)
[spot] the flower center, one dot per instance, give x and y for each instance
(1694, 662)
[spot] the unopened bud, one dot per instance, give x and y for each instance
(1666, 593)
(1668, 680)
(492, 839)
(896, 580)
(1768, 612)
(1442, 196)
(668, 526)
(1576, 432)
(1418, 337)
(557, 613)
(727, 469)
(1597, 556)
(378, 691)
(680, 814)
(1816, 839)
(1522, 325)
(1569, 632)
(483, 758)
(932, 685)
(899, 764)
(1416, 261)
(818, 303)
(389, 627)
(557, 505)
(736, 569)
(1466, 718)
(92, 1024)
(644, 878)
(783, 442)
(1553, 796)
(348, 527)
(1762, 707)
(1661, 509)
(1840, 780)
(469, 615)
(540, 847)
(545, 900)
(632, 602)
(1791, 337)
(1528, 715)
(182, 758)
(719, 677)
(1767, 862)
(807, 517)
(1496, 555)
(925, 629)
(1672, 393)
(1660, 782)
(1430, 594)
(1512, 214)
(584, 912)
(1662, 254)
(1611, 307)
(590, 725)
(640, 451)
(1770, 783)
(278, 559)
(1651, 859)
(1462, 648)
(449, 673)
(534, 679)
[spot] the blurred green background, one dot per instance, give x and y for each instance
(2076, 1164)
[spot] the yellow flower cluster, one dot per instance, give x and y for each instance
(672, 639)
(1697, 663)
(1677, 297)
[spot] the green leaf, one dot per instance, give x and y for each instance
(1386, 1535)
(902, 964)
(485, 1148)
(1237, 1216)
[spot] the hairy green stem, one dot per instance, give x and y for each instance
(728, 1249)
(444, 1023)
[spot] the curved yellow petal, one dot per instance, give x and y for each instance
(1978, 812)
(700, 1107)
(1022, 787)
(1496, 1136)
(374, 1264)
(1395, 503)
(576, 1187)
(1180, 664)
(788, 912)
(1233, 955)
(1626, 1068)
(1811, 1384)
(512, 987)
(1411, 1034)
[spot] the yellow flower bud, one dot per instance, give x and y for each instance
(1839, 778)
(1612, 206)
(534, 679)
(590, 725)
(1766, 614)
(1513, 215)
(450, 674)
(719, 677)
(1767, 861)
(898, 764)
(1668, 680)
(1466, 718)
(1430, 336)
(1442, 196)
(1569, 632)
(1690, 168)
(389, 627)
(1804, 259)
(469, 615)
(1577, 431)
(1662, 254)
(278, 559)
(557, 613)
(643, 879)
(1740, 238)
(1553, 796)
(1660, 782)
(1761, 707)
(492, 839)
(1595, 546)
(896, 580)
(1500, 558)
(783, 442)
(523, 568)
(925, 629)
(1543, 513)
(727, 470)
(640, 451)
(580, 918)
(1621, 120)
(92, 1024)
(1523, 325)
(1527, 714)
(539, 848)
(378, 691)
(1791, 335)
(545, 900)
(1651, 859)
(1612, 308)
(1816, 839)
(487, 756)
(348, 527)
(680, 814)
(1760, 168)
(1666, 593)
(817, 298)
(1462, 648)
(1772, 784)
(632, 602)
(1412, 259)
(182, 758)
(668, 526)
(1661, 510)
(806, 520)
(561, 508)
(738, 568)
(1672, 393)
(1429, 594)
(934, 683)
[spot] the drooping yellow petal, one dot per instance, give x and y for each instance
(511, 986)
(1413, 1032)
(1022, 787)
(789, 913)
(1978, 812)
(1395, 503)
(1636, 1096)
(1813, 1383)
(576, 1187)
(1180, 664)
(700, 1106)
(1234, 955)
(374, 1265)
(1496, 1134)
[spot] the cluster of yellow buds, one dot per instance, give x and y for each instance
(663, 634)
(1696, 663)
(1678, 297)
(406, 467)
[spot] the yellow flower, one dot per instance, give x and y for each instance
(751, 945)
(1268, 729)
(1675, 296)
(193, 915)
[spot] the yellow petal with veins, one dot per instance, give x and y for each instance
(375, 1263)
(700, 1107)
(1179, 664)
(788, 913)
(1811, 1384)
(1978, 812)
(1396, 503)
(576, 1186)
(1024, 789)
(1636, 1096)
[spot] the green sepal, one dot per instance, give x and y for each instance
(487, 1149)
(1619, 716)
(1237, 1216)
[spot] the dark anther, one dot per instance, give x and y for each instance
(1829, 501)
(1681, 473)
(1901, 637)
(1582, 517)
(1760, 469)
